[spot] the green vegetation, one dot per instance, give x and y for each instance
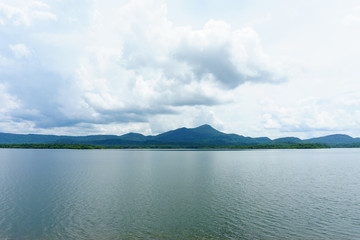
(283, 146)
(51, 146)
(167, 146)
(203, 137)
(349, 145)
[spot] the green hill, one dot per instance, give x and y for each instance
(199, 137)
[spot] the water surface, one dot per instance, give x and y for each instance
(124, 194)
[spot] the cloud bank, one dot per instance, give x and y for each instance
(109, 62)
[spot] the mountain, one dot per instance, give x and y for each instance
(9, 138)
(82, 139)
(205, 135)
(287, 140)
(201, 136)
(133, 137)
(334, 139)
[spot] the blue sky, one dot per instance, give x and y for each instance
(257, 68)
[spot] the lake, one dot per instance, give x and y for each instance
(128, 194)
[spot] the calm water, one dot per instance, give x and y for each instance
(117, 194)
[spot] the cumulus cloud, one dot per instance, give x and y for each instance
(230, 57)
(20, 50)
(311, 116)
(24, 13)
(9, 105)
(306, 116)
(13, 15)
(123, 62)
(191, 116)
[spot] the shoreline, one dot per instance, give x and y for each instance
(169, 146)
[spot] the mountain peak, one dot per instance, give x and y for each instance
(205, 127)
(333, 139)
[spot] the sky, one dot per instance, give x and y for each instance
(256, 68)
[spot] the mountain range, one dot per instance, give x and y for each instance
(204, 135)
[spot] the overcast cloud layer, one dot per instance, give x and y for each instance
(100, 67)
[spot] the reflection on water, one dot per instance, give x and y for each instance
(117, 194)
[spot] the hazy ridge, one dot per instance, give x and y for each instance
(204, 135)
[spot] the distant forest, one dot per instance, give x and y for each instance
(202, 137)
(82, 146)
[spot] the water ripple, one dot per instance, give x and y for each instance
(179, 195)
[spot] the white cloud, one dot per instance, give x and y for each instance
(229, 57)
(24, 13)
(41, 15)
(20, 50)
(128, 68)
(310, 116)
(39, 4)
(351, 20)
(9, 104)
(269, 122)
(103, 66)
(5, 63)
(12, 14)
(191, 116)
